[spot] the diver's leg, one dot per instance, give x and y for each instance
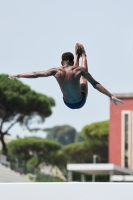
(83, 81)
(78, 54)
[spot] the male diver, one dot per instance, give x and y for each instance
(72, 79)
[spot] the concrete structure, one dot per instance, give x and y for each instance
(121, 178)
(3, 160)
(121, 132)
(66, 191)
(96, 169)
(7, 175)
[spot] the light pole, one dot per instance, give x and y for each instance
(94, 161)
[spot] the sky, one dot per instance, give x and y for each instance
(34, 34)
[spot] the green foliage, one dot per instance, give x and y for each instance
(60, 159)
(98, 178)
(97, 133)
(78, 152)
(43, 178)
(96, 143)
(83, 152)
(31, 176)
(96, 130)
(33, 152)
(34, 161)
(79, 137)
(27, 149)
(20, 104)
(63, 134)
(17, 98)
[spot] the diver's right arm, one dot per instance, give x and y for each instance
(46, 73)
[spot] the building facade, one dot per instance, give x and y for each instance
(121, 132)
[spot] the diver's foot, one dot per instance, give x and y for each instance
(78, 50)
(83, 53)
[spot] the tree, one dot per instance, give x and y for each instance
(63, 134)
(97, 132)
(78, 152)
(34, 151)
(79, 137)
(20, 104)
(96, 142)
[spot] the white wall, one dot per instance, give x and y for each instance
(66, 191)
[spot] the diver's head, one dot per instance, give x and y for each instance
(67, 58)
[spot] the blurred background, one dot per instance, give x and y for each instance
(39, 135)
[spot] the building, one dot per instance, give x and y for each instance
(112, 170)
(121, 132)
(120, 164)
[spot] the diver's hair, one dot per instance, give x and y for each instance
(68, 56)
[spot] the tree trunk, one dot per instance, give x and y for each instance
(4, 148)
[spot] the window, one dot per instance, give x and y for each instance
(126, 141)
(126, 146)
(126, 161)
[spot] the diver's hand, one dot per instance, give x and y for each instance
(115, 100)
(14, 76)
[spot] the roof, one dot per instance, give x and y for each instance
(124, 95)
(7, 175)
(98, 168)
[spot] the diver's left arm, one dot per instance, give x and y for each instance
(99, 87)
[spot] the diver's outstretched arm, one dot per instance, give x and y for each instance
(99, 87)
(46, 73)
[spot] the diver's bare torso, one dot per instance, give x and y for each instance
(68, 78)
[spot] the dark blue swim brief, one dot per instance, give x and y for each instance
(76, 105)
